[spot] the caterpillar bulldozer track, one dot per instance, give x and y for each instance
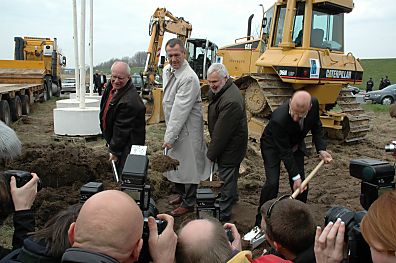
(300, 47)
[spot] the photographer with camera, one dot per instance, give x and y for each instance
(17, 198)
(49, 243)
(290, 230)
(206, 240)
(109, 228)
(378, 228)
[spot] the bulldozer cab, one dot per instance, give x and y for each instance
(201, 53)
(325, 30)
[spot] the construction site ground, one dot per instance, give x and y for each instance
(65, 165)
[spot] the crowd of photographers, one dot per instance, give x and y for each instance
(79, 234)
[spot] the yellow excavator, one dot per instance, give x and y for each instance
(200, 54)
(301, 46)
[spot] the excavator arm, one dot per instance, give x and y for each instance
(161, 22)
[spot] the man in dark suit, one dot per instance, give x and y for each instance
(283, 140)
(122, 115)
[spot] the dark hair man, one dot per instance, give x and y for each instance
(109, 228)
(289, 228)
(183, 137)
(283, 140)
(228, 132)
(122, 115)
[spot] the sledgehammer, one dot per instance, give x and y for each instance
(307, 179)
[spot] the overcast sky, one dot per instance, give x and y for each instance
(121, 26)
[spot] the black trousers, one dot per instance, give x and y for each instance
(229, 190)
(272, 172)
(188, 193)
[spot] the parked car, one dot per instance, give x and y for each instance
(68, 85)
(385, 96)
(353, 89)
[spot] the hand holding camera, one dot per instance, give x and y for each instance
(162, 246)
(329, 243)
(236, 237)
(24, 196)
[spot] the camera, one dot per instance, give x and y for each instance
(89, 189)
(133, 182)
(391, 147)
(377, 177)
(21, 178)
(206, 204)
(358, 249)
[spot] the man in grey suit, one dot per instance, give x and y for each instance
(183, 137)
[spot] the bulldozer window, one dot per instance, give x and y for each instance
(298, 24)
(327, 31)
(279, 26)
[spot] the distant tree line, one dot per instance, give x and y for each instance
(136, 61)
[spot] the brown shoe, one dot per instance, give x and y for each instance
(176, 201)
(182, 211)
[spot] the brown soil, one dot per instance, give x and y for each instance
(164, 163)
(65, 166)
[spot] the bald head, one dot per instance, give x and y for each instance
(300, 104)
(202, 240)
(110, 222)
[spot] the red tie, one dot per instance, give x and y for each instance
(112, 91)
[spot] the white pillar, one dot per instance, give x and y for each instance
(91, 86)
(82, 55)
(76, 59)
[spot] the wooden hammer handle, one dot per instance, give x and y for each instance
(307, 179)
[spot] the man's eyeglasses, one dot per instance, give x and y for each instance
(300, 115)
(268, 214)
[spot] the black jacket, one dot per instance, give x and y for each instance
(23, 224)
(227, 126)
(125, 119)
(33, 251)
(282, 133)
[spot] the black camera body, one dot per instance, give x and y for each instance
(206, 204)
(358, 249)
(133, 182)
(89, 189)
(377, 177)
(21, 178)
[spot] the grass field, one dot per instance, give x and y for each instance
(377, 68)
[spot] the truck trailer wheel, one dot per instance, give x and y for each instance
(5, 115)
(15, 108)
(25, 104)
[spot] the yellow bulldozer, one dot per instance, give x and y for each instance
(301, 46)
(200, 54)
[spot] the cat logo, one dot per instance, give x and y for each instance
(248, 46)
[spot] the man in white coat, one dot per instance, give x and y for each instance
(183, 138)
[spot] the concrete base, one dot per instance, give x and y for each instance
(73, 103)
(87, 96)
(76, 121)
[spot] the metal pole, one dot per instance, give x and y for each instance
(82, 56)
(91, 86)
(76, 59)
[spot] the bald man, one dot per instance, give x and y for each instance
(122, 115)
(109, 228)
(283, 140)
(205, 240)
